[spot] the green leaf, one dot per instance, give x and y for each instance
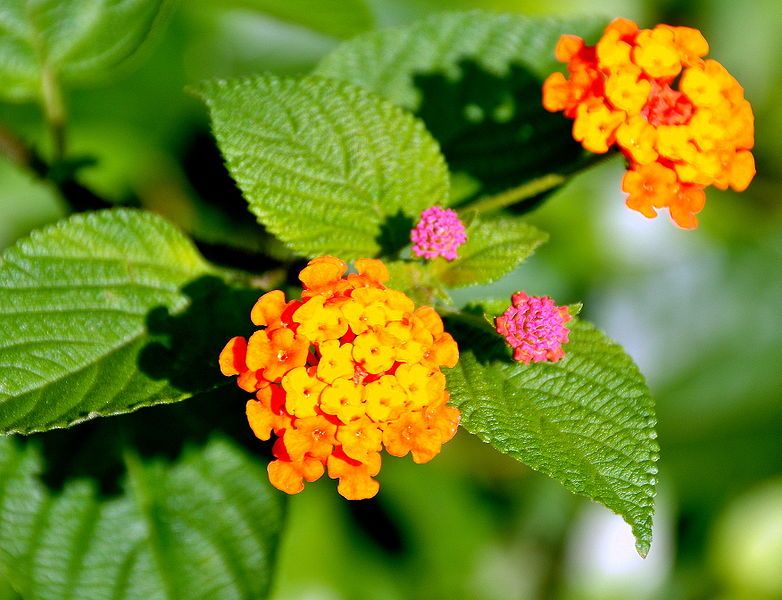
(326, 166)
(475, 79)
(71, 41)
(341, 19)
(204, 527)
(587, 421)
(418, 281)
(75, 301)
(494, 248)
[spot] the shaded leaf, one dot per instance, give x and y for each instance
(475, 79)
(75, 299)
(204, 527)
(325, 165)
(71, 42)
(587, 421)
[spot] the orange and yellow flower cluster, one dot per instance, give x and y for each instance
(682, 122)
(350, 368)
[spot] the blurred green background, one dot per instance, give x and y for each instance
(699, 311)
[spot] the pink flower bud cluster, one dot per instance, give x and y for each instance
(535, 328)
(438, 233)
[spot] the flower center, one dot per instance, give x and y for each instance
(666, 106)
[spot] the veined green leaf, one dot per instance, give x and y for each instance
(475, 79)
(75, 300)
(588, 420)
(326, 166)
(204, 527)
(70, 41)
(494, 248)
(341, 19)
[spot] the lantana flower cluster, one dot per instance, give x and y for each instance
(349, 369)
(535, 328)
(681, 120)
(439, 232)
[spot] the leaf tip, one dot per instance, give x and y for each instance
(642, 546)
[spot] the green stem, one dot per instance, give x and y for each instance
(526, 190)
(532, 188)
(54, 110)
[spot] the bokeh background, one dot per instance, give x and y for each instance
(699, 311)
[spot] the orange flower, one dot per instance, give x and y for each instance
(350, 368)
(355, 477)
(420, 433)
(274, 352)
(651, 93)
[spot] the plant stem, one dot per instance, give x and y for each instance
(78, 197)
(54, 110)
(526, 190)
(532, 188)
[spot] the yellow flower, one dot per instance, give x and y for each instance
(638, 139)
(595, 125)
(360, 438)
(372, 354)
(385, 398)
(655, 52)
(335, 361)
(302, 391)
(343, 399)
(318, 321)
(627, 91)
(422, 385)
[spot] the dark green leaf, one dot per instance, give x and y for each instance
(475, 79)
(326, 166)
(204, 527)
(587, 421)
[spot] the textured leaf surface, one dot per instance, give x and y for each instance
(74, 304)
(72, 41)
(204, 527)
(326, 166)
(340, 19)
(587, 421)
(494, 248)
(475, 79)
